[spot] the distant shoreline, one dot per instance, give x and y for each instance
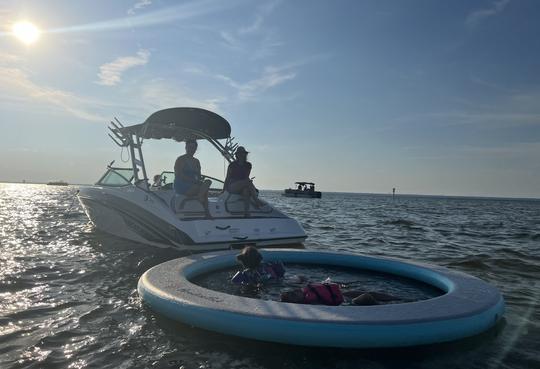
(464, 197)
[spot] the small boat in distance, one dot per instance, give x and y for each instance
(303, 189)
(57, 183)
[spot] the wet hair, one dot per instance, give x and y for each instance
(250, 257)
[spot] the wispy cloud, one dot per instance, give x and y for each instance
(479, 15)
(110, 74)
(139, 5)
(271, 77)
(159, 94)
(184, 11)
(240, 38)
(262, 12)
(20, 89)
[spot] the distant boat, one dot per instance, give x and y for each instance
(303, 189)
(57, 183)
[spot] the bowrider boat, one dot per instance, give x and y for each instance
(124, 204)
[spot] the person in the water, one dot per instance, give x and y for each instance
(256, 271)
(329, 293)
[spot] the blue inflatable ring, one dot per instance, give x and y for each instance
(468, 306)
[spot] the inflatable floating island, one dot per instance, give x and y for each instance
(466, 306)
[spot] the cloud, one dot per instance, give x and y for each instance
(21, 90)
(269, 78)
(139, 5)
(159, 94)
(230, 40)
(110, 74)
(184, 11)
(479, 15)
(240, 38)
(262, 12)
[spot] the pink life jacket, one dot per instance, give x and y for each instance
(322, 294)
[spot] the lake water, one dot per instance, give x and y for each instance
(68, 294)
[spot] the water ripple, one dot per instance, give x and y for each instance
(68, 292)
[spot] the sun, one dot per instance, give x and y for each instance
(26, 32)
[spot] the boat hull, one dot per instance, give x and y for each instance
(303, 194)
(119, 212)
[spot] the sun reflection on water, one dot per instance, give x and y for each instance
(68, 293)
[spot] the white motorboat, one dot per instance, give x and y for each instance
(124, 204)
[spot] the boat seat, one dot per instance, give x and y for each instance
(234, 204)
(186, 204)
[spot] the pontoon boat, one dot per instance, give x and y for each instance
(303, 189)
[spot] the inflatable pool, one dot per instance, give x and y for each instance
(467, 307)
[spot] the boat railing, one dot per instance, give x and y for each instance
(133, 142)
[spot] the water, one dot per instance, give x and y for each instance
(350, 280)
(68, 293)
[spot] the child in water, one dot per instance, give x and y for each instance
(255, 270)
(329, 293)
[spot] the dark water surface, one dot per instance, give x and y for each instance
(68, 293)
(401, 289)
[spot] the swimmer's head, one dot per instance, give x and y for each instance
(250, 257)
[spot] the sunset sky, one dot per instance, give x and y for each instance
(430, 97)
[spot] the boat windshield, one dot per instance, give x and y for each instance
(116, 177)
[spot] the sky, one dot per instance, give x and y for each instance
(429, 97)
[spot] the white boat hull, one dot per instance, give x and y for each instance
(141, 216)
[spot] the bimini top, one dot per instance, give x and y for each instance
(304, 183)
(181, 124)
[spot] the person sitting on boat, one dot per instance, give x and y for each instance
(256, 271)
(157, 181)
(187, 176)
(329, 293)
(238, 182)
(299, 188)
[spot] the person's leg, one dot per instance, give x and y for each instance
(241, 188)
(246, 194)
(254, 195)
(238, 186)
(189, 191)
(203, 195)
(365, 299)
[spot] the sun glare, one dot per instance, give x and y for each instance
(26, 32)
